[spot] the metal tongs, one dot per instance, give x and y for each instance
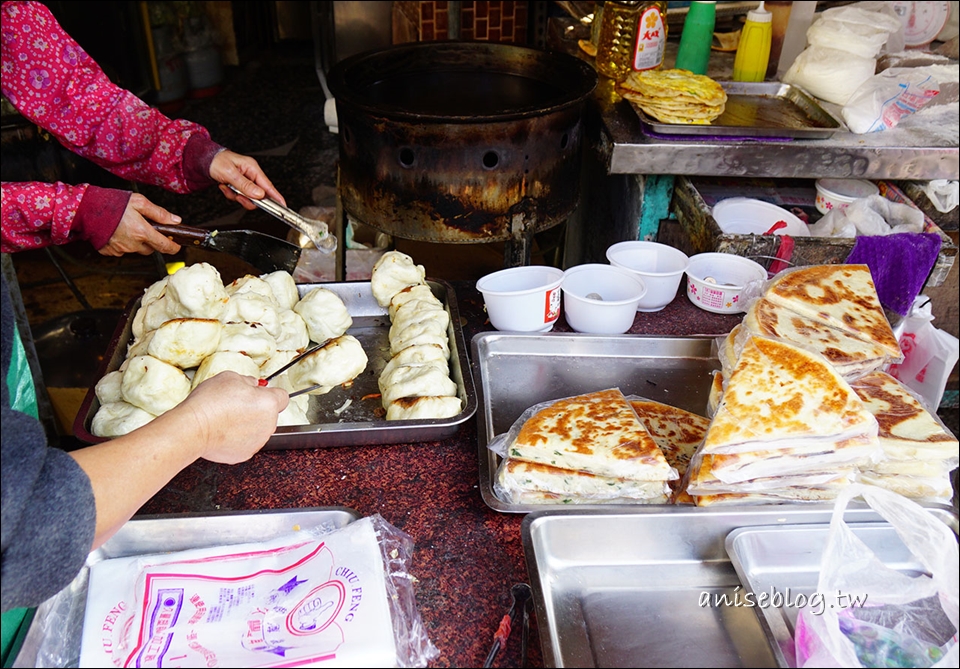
(266, 380)
(520, 602)
(316, 231)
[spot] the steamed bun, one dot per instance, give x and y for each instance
(412, 408)
(197, 291)
(153, 385)
(284, 288)
(339, 361)
(115, 419)
(393, 272)
(225, 361)
(185, 342)
(324, 313)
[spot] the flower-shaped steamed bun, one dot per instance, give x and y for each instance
(392, 273)
(339, 361)
(197, 291)
(153, 385)
(324, 313)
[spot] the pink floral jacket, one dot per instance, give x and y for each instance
(55, 84)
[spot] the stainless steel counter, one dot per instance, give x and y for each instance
(911, 151)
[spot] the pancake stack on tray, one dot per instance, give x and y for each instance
(587, 449)
(800, 408)
(675, 96)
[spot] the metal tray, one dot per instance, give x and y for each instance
(758, 110)
(623, 588)
(54, 635)
(363, 422)
(516, 371)
(786, 560)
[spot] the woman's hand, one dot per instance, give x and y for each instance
(135, 234)
(243, 173)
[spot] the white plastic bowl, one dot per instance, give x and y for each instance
(748, 216)
(522, 299)
(839, 193)
(715, 281)
(601, 299)
(660, 266)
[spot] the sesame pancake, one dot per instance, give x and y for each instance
(840, 296)
(852, 356)
(904, 422)
(678, 433)
(777, 392)
(597, 433)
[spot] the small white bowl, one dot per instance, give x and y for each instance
(748, 216)
(839, 193)
(601, 299)
(522, 299)
(660, 266)
(715, 281)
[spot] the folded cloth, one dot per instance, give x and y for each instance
(899, 264)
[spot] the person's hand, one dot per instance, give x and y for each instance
(233, 416)
(135, 234)
(244, 173)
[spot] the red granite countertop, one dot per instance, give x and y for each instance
(466, 555)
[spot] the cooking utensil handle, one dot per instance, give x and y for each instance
(183, 234)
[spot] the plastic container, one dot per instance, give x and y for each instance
(715, 281)
(601, 299)
(753, 52)
(697, 37)
(748, 216)
(522, 299)
(839, 193)
(660, 266)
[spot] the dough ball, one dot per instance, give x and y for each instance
(418, 311)
(324, 313)
(225, 361)
(197, 292)
(416, 355)
(418, 381)
(421, 332)
(421, 408)
(116, 419)
(392, 273)
(185, 342)
(251, 339)
(293, 332)
(107, 389)
(251, 284)
(284, 288)
(419, 292)
(338, 362)
(153, 385)
(253, 308)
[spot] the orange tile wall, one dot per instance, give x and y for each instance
(479, 21)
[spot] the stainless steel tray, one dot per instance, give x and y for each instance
(54, 635)
(758, 110)
(623, 588)
(362, 422)
(786, 560)
(516, 371)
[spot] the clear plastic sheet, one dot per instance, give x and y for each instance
(59, 621)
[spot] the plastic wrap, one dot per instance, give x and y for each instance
(901, 620)
(307, 600)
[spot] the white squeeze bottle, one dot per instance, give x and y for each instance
(753, 52)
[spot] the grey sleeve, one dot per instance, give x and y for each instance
(49, 515)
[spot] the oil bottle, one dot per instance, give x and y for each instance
(753, 52)
(633, 37)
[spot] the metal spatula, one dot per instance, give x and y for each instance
(265, 252)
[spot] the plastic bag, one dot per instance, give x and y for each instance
(896, 620)
(873, 215)
(883, 99)
(830, 74)
(929, 354)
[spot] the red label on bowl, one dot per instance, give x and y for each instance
(551, 305)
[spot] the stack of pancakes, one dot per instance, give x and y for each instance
(675, 96)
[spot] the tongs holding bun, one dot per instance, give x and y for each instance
(316, 231)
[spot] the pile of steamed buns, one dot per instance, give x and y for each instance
(190, 327)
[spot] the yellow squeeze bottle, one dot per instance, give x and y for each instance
(753, 52)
